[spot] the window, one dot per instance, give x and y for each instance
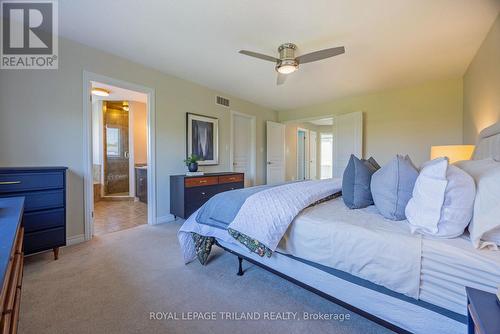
(326, 155)
(113, 142)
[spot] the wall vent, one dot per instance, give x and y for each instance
(222, 101)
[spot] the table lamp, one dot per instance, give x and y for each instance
(454, 153)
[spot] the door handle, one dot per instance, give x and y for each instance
(9, 182)
(269, 163)
(126, 154)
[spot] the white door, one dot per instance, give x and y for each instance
(313, 147)
(275, 152)
(347, 140)
(242, 147)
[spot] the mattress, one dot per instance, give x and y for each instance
(441, 268)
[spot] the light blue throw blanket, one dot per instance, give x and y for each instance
(221, 209)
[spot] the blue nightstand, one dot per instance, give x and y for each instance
(483, 312)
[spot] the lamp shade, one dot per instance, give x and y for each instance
(454, 153)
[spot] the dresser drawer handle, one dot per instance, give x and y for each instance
(203, 181)
(9, 182)
(203, 193)
(232, 178)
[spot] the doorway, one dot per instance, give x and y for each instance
(119, 158)
(119, 178)
(302, 160)
(326, 154)
(304, 152)
(243, 150)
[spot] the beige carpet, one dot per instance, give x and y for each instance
(111, 284)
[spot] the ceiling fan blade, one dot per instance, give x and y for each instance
(281, 79)
(259, 55)
(321, 54)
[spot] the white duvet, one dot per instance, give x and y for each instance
(266, 215)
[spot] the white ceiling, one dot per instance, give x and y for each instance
(388, 42)
(119, 94)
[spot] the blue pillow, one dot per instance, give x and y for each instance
(356, 182)
(392, 187)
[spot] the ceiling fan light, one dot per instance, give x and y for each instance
(286, 69)
(100, 91)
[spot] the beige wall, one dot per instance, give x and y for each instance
(41, 120)
(404, 120)
(482, 86)
(140, 124)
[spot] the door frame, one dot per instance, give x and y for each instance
(88, 188)
(332, 155)
(306, 152)
(253, 143)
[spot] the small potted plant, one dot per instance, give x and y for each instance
(192, 163)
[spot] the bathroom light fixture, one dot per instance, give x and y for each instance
(100, 91)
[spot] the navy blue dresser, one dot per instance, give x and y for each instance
(44, 190)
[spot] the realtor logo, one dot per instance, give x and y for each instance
(29, 35)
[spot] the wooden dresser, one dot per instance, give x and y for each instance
(188, 193)
(11, 262)
(44, 190)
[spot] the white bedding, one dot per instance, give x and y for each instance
(363, 243)
(360, 242)
(266, 215)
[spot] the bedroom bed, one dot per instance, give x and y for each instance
(375, 266)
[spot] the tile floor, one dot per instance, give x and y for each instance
(112, 216)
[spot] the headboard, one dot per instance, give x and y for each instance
(488, 143)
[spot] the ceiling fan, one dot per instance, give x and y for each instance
(287, 63)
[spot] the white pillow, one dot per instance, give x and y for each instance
(485, 225)
(443, 200)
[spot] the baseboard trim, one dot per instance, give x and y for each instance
(165, 219)
(75, 239)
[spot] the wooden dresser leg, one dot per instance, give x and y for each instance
(56, 253)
